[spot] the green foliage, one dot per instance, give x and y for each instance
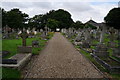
(11, 45)
(35, 22)
(8, 73)
(64, 18)
(90, 26)
(4, 16)
(14, 18)
(113, 18)
(52, 24)
(77, 25)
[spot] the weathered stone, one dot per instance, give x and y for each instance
(9, 61)
(24, 49)
(35, 43)
(85, 44)
(101, 50)
(116, 52)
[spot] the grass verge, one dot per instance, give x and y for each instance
(8, 73)
(11, 46)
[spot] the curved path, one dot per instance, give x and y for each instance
(60, 59)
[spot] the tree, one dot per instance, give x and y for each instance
(77, 25)
(35, 21)
(113, 18)
(4, 18)
(64, 18)
(16, 19)
(52, 24)
(90, 26)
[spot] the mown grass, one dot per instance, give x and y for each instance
(8, 73)
(11, 45)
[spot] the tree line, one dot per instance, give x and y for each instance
(53, 19)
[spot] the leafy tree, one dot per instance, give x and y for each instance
(90, 26)
(77, 25)
(35, 21)
(16, 19)
(4, 23)
(64, 18)
(113, 18)
(52, 24)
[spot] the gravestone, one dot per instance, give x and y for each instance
(86, 42)
(24, 48)
(41, 30)
(101, 48)
(35, 43)
(43, 35)
(116, 52)
(78, 38)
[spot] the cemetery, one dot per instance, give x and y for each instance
(16, 56)
(100, 49)
(52, 45)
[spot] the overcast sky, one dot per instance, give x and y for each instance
(82, 10)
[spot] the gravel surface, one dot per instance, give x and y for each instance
(60, 59)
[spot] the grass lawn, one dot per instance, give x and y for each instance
(11, 45)
(10, 73)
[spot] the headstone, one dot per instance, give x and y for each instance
(24, 36)
(101, 51)
(86, 42)
(101, 48)
(43, 35)
(78, 38)
(35, 43)
(24, 48)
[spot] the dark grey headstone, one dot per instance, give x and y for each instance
(25, 49)
(101, 51)
(35, 43)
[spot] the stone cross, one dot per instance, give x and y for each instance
(102, 34)
(24, 36)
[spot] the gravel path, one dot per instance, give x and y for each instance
(60, 59)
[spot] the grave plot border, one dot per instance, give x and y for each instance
(111, 69)
(20, 64)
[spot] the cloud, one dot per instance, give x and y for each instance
(82, 11)
(60, 0)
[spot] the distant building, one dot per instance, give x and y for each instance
(92, 23)
(97, 25)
